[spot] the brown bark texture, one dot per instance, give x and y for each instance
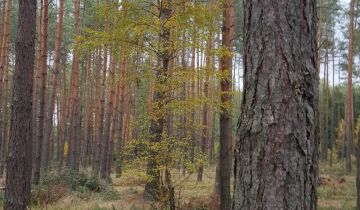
(277, 150)
(18, 182)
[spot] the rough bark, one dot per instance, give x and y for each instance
(277, 150)
(18, 182)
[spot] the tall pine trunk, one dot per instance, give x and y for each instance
(4, 60)
(43, 70)
(51, 106)
(349, 115)
(108, 117)
(226, 104)
(277, 150)
(120, 125)
(62, 122)
(325, 96)
(18, 173)
(74, 108)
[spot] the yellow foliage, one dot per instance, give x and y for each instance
(66, 149)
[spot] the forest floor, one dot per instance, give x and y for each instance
(337, 190)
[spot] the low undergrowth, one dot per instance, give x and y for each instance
(57, 185)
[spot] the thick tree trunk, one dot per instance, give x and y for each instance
(18, 173)
(225, 114)
(277, 151)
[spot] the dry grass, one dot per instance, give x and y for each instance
(337, 188)
(190, 194)
(337, 191)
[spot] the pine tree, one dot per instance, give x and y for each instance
(225, 115)
(18, 173)
(43, 70)
(276, 154)
(51, 107)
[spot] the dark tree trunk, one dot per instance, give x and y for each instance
(18, 182)
(225, 115)
(277, 151)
